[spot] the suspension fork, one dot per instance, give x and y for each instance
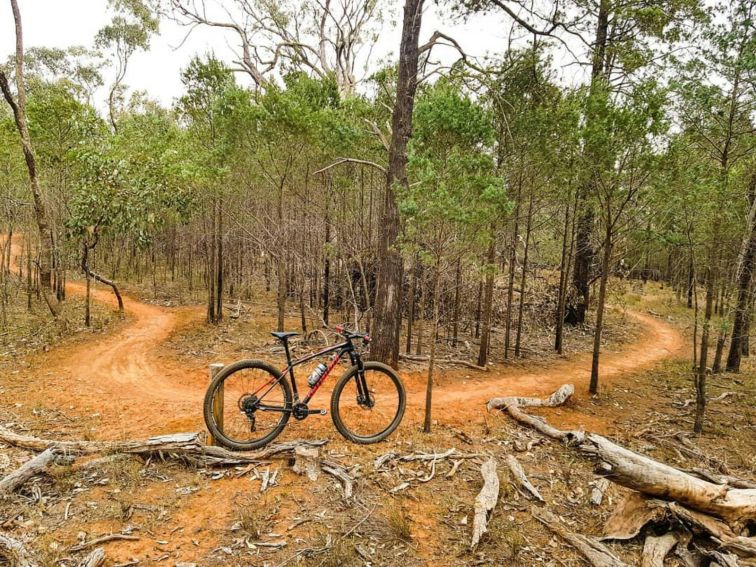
(363, 395)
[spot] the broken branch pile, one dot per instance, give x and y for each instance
(719, 513)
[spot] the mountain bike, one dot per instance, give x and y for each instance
(256, 400)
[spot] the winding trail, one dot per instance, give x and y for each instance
(131, 384)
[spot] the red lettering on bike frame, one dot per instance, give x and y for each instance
(334, 362)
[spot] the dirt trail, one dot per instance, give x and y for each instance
(659, 341)
(134, 385)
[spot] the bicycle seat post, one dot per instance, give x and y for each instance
(285, 341)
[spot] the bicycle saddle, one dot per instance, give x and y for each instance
(283, 336)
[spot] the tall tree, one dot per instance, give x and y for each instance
(388, 312)
(47, 250)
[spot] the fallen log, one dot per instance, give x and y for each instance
(15, 553)
(641, 473)
(486, 500)
(512, 406)
(737, 506)
(29, 469)
(188, 446)
(595, 552)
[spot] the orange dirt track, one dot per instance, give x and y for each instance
(134, 386)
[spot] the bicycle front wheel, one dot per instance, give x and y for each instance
(368, 412)
(247, 405)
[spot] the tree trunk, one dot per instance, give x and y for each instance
(564, 274)
(219, 261)
(485, 333)
(523, 277)
(47, 249)
(744, 279)
(584, 252)
(411, 307)
(455, 316)
(434, 340)
(281, 295)
(512, 264)
(608, 244)
(385, 347)
(700, 377)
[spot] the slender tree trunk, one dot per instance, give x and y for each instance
(700, 379)
(385, 347)
(210, 275)
(457, 285)
(584, 252)
(478, 308)
(421, 314)
(434, 340)
(47, 249)
(485, 333)
(564, 274)
(523, 277)
(744, 279)
(716, 368)
(691, 279)
(512, 266)
(605, 268)
(281, 295)
(327, 261)
(219, 262)
(29, 284)
(411, 307)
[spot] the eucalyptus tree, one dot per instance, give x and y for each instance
(626, 135)
(718, 99)
(208, 106)
(131, 185)
(128, 32)
(456, 193)
(619, 41)
(388, 299)
(17, 104)
(324, 38)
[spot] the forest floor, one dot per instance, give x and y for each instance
(146, 375)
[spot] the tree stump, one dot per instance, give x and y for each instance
(307, 462)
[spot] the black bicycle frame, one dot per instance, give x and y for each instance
(340, 350)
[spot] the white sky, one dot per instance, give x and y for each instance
(63, 23)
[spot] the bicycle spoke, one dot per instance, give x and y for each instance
(243, 420)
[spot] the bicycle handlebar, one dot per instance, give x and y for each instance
(343, 331)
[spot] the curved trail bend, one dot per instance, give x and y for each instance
(134, 386)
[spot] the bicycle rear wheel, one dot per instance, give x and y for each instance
(254, 401)
(371, 416)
